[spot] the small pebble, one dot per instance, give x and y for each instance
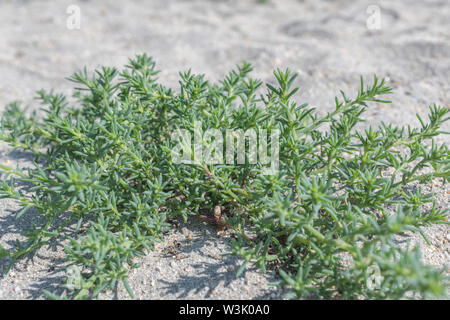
(173, 264)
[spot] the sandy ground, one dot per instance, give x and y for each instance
(329, 43)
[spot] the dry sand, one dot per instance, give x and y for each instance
(327, 42)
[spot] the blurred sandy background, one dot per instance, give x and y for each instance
(329, 43)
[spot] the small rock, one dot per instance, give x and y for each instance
(152, 283)
(230, 268)
(17, 290)
(173, 264)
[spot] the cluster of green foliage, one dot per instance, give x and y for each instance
(327, 217)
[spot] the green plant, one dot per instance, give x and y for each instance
(323, 219)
